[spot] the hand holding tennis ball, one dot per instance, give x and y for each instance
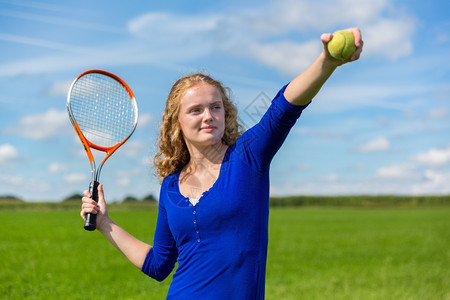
(342, 45)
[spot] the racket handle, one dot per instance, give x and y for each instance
(90, 223)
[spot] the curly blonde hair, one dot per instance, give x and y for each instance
(173, 153)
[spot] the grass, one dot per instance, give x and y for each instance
(314, 253)
(359, 254)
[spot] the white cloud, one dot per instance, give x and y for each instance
(329, 178)
(162, 26)
(420, 174)
(11, 180)
(75, 178)
(145, 119)
(390, 38)
(277, 34)
(384, 36)
(435, 183)
(442, 38)
(61, 21)
(400, 171)
(438, 113)
(42, 43)
(430, 182)
(8, 153)
(56, 167)
(123, 182)
(284, 24)
(132, 148)
(375, 145)
(425, 173)
(285, 55)
(28, 187)
(306, 15)
(42, 126)
(146, 161)
(59, 88)
(338, 98)
(434, 157)
(322, 132)
(161, 36)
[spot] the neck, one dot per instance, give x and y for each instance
(205, 157)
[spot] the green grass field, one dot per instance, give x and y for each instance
(314, 253)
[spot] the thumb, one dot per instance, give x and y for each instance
(101, 194)
(326, 38)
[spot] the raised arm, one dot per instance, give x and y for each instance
(134, 249)
(304, 87)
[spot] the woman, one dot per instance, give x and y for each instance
(213, 207)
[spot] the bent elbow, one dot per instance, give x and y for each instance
(157, 269)
(159, 277)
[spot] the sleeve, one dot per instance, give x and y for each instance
(260, 143)
(161, 259)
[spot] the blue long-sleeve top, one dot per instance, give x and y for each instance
(221, 243)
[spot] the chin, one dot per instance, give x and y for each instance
(211, 142)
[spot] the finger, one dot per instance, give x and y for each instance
(358, 42)
(101, 194)
(357, 35)
(87, 200)
(89, 205)
(86, 193)
(357, 52)
(91, 209)
(326, 37)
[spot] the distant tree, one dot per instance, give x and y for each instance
(73, 198)
(130, 199)
(149, 198)
(10, 198)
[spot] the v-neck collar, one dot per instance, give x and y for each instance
(205, 193)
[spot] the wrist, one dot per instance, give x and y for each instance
(329, 64)
(105, 225)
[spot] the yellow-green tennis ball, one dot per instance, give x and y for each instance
(342, 45)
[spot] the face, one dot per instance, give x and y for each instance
(202, 115)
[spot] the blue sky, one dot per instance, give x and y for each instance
(379, 126)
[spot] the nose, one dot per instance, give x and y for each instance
(207, 116)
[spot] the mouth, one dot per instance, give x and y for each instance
(208, 128)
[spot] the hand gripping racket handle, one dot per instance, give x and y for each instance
(90, 223)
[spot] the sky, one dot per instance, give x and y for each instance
(380, 125)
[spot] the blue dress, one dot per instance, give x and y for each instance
(220, 244)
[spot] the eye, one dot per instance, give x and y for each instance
(217, 106)
(195, 110)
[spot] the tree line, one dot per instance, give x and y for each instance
(128, 199)
(292, 201)
(77, 197)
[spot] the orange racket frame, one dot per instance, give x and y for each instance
(90, 221)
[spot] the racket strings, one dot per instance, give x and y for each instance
(103, 109)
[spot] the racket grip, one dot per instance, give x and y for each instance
(90, 223)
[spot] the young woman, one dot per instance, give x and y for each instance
(214, 198)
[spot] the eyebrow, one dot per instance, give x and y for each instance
(217, 102)
(209, 104)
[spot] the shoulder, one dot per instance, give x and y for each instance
(285, 109)
(170, 181)
(169, 185)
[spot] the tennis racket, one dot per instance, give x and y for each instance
(104, 113)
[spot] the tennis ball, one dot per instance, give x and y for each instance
(342, 45)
